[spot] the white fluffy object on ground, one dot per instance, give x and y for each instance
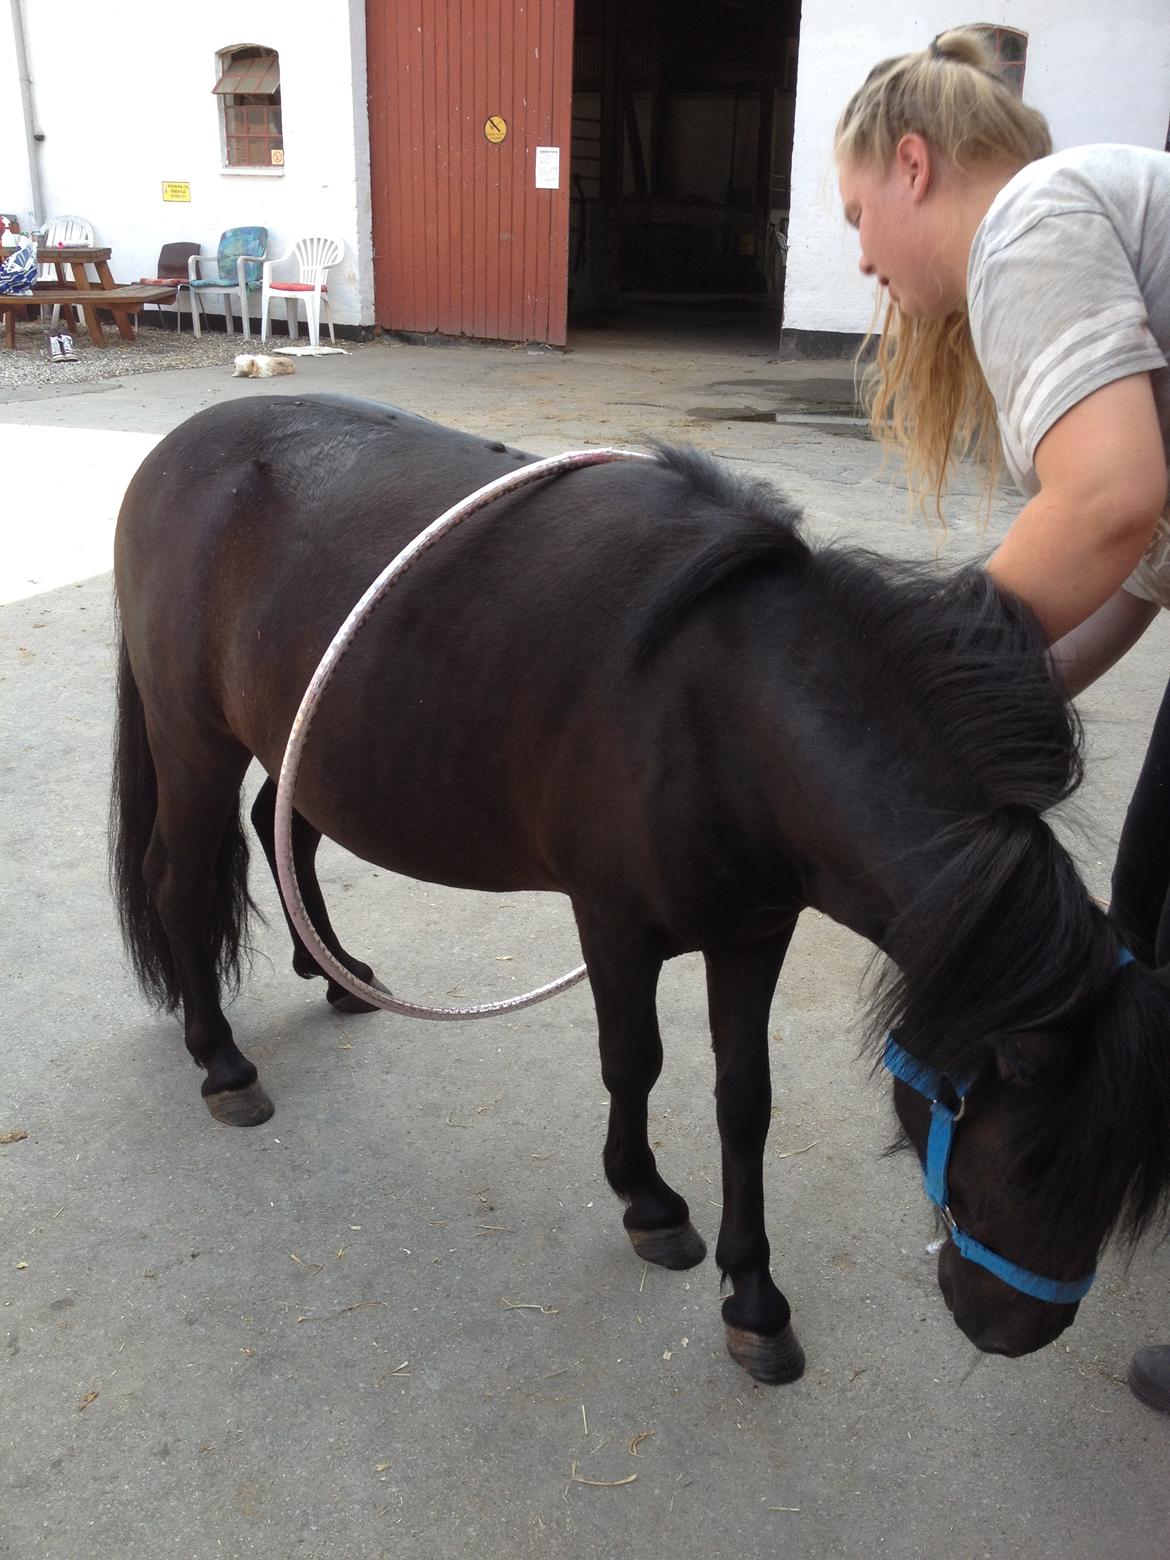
(258, 365)
(309, 351)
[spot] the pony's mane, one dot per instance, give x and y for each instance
(1001, 935)
(951, 654)
(741, 526)
(749, 497)
(1096, 1156)
(966, 665)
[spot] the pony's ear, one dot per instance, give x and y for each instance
(1030, 1056)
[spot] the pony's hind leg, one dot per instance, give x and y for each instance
(740, 985)
(195, 871)
(624, 966)
(305, 840)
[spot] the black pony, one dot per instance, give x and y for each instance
(639, 685)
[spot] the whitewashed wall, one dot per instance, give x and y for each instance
(1098, 74)
(111, 142)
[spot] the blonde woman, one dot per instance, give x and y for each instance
(1028, 313)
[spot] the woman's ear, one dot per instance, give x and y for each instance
(915, 165)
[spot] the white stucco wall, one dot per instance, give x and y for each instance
(110, 143)
(1097, 74)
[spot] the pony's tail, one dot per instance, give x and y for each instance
(133, 805)
(133, 808)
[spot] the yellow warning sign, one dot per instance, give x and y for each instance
(496, 129)
(176, 191)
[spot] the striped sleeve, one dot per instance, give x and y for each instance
(1057, 313)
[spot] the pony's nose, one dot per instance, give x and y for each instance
(1000, 1340)
(1014, 1337)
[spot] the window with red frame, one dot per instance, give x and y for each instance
(249, 94)
(1011, 53)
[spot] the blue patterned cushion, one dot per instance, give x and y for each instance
(18, 268)
(246, 241)
(250, 242)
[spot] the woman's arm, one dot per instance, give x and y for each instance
(1090, 649)
(1102, 471)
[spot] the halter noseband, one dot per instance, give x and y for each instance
(933, 1085)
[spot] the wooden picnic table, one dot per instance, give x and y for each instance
(80, 291)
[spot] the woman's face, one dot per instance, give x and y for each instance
(893, 222)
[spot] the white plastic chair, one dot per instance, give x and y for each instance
(315, 257)
(60, 230)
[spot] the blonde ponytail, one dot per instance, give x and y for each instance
(926, 394)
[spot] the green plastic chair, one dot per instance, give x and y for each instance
(237, 264)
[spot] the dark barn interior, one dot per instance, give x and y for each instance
(683, 115)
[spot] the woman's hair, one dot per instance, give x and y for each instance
(926, 394)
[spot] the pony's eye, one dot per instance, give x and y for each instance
(1015, 1068)
(1025, 1176)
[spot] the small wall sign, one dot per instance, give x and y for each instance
(496, 129)
(548, 167)
(173, 189)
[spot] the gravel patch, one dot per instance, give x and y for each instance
(154, 348)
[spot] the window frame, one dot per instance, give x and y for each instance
(251, 123)
(1012, 70)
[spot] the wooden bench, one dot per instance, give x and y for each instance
(121, 301)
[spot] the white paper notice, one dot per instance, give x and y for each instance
(548, 167)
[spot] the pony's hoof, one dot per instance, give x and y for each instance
(678, 1248)
(773, 1358)
(240, 1107)
(342, 1001)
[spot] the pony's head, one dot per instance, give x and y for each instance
(1061, 1142)
(1006, 983)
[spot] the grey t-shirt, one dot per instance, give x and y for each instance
(1068, 288)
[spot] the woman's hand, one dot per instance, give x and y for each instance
(1102, 471)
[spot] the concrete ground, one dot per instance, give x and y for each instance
(402, 1317)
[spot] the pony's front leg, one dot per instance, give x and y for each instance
(624, 962)
(740, 986)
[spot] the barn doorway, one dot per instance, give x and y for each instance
(683, 115)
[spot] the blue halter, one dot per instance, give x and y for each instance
(932, 1085)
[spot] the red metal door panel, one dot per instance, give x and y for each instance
(464, 242)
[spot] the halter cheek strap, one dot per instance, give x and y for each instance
(934, 1085)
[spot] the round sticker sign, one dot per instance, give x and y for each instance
(495, 129)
